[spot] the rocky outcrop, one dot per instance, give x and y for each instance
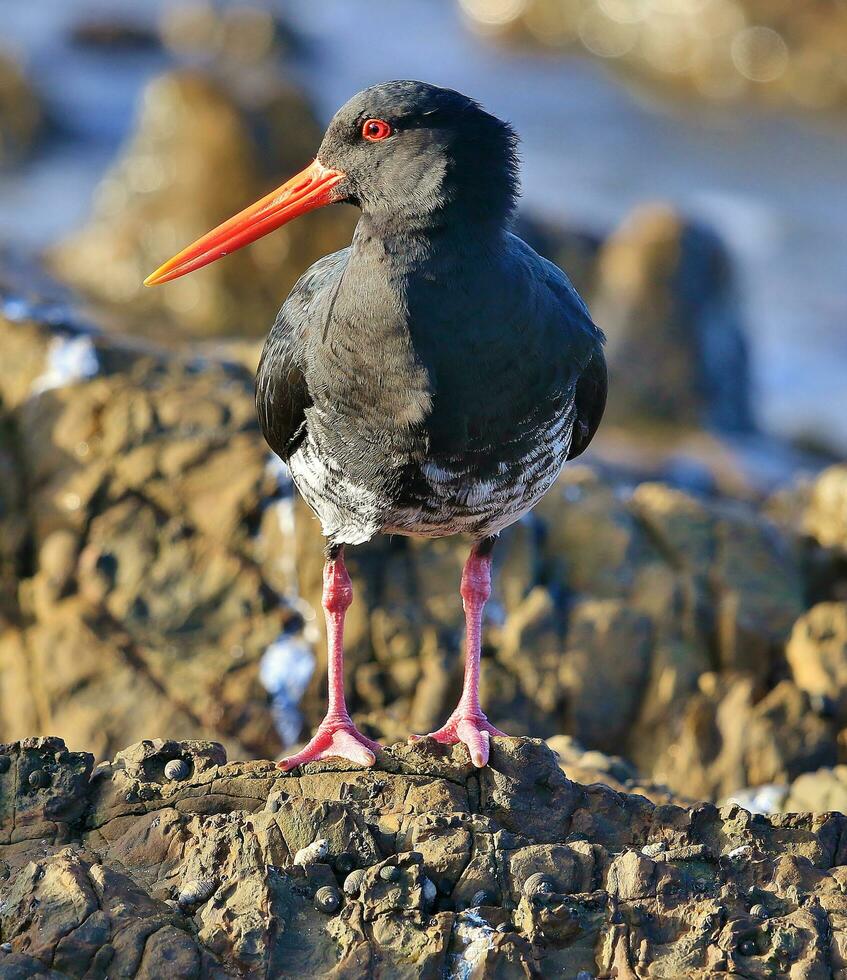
(666, 296)
(144, 599)
(170, 862)
(751, 49)
(158, 579)
(642, 621)
(663, 288)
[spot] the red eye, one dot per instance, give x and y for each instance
(376, 129)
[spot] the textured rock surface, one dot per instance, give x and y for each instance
(147, 568)
(701, 595)
(142, 603)
(426, 867)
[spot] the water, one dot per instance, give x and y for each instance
(772, 184)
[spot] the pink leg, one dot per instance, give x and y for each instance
(337, 736)
(468, 724)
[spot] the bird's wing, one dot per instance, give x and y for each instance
(590, 403)
(580, 345)
(282, 394)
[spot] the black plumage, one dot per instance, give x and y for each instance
(433, 377)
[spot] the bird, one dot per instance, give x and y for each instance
(430, 379)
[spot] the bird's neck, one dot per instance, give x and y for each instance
(423, 245)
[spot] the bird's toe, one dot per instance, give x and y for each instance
(477, 740)
(475, 732)
(335, 741)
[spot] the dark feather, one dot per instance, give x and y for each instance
(282, 393)
(590, 404)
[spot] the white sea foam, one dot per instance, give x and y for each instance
(476, 934)
(760, 799)
(69, 359)
(285, 671)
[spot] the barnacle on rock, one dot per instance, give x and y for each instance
(176, 769)
(196, 890)
(39, 779)
(353, 882)
(312, 853)
(538, 884)
(327, 899)
(82, 835)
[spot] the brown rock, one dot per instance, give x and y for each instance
(817, 654)
(510, 870)
(603, 670)
(665, 296)
(151, 572)
(826, 515)
(771, 54)
(148, 609)
(822, 791)
(728, 739)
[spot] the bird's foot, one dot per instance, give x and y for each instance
(473, 729)
(335, 739)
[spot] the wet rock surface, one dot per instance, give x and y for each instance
(422, 866)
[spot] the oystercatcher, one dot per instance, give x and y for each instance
(429, 379)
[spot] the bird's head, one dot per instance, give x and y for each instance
(407, 153)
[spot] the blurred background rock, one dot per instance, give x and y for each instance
(20, 113)
(777, 52)
(672, 616)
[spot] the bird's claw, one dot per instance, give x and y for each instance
(335, 740)
(473, 730)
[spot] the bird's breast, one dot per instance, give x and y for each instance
(480, 493)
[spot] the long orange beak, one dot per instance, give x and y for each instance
(310, 189)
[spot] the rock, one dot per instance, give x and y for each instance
(817, 655)
(13, 521)
(728, 739)
(21, 117)
(665, 296)
(196, 158)
(825, 518)
(158, 575)
(148, 486)
(812, 512)
(822, 791)
(535, 873)
(244, 38)
(591, 766)
(671, 579)
(603, 698)
(759, 52)
(573, 249)
(111, 33)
